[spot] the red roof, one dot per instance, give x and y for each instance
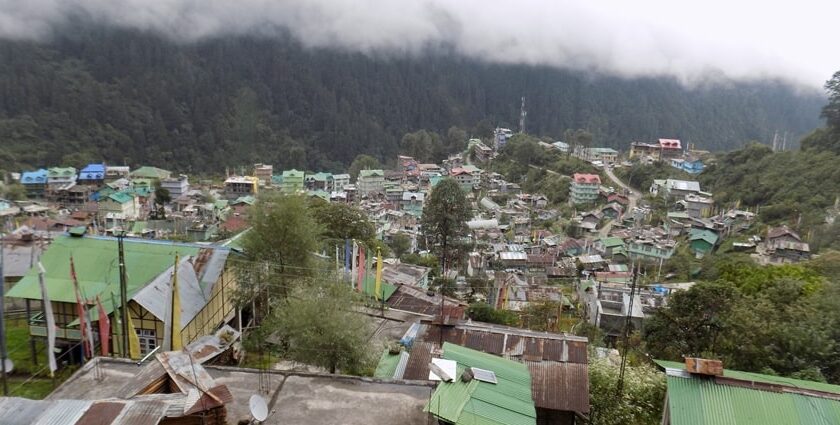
(587, 178)
(670, 144)
(459, 171)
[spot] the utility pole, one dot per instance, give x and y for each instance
(123, 293)
(3, 315)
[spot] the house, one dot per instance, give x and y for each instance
(613, 211)
(493, 386)
(205, 278)
(116, 172)
(482, 152)
(150, 173)
(693, 166)
(293, 181)
(584, 188)
(120, 206)
(698, 206)
(501, 137)
(92, 174)
(263, 173)
(338, 181)
(702, 241)
(72, 197)
(238, 186)
(702, 392)
(611, 247)
(783, 245)
(176, 186)
(670, 148)
(370, 181)
(605, 155)
(556, 363)
(35, 182)
(674, 189)
(465, 179)
(650, 249)
(639, 149)
(412, 203)
(60, 178)
(317, 181)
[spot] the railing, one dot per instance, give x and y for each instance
(38, 327)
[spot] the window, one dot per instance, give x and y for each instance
(148, 342)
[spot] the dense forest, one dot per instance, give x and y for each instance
(96, 93)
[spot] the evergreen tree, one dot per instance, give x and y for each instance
(445, 216)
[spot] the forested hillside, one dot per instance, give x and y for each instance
(124, 96)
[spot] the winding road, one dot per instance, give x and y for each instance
(633, 197)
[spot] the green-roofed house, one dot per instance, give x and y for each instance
(370, 181)
(318, 181)
(292, 181)
(60, 178)
(120, 206)
(206, 284)
(702, 241)
(612, 247)
(744, 398)
(151, 173)
(508, 401)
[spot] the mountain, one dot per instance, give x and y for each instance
(96, 93)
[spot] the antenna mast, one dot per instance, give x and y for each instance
(522, 114)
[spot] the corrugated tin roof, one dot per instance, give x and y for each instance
(97, 268)
(101, 413)
(475, 402)
(142, 413)
(387, 365)
(560, 386)
(62, 412)
(399, 372)
(418, 363)
(699, 401)
(155, 297)
(19, 411)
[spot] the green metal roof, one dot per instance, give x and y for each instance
(701, 401)
(61, 172)
(121, 197)
(150, 173)
(97, 267)
(387, 365)
(292, 173)
(612, 242)
(761, 378)
(697, 400)
(509, 402)
(371, 173)
(321, 176)
(704, 234)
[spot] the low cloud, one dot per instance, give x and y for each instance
(743, 40)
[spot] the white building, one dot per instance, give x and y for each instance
(177, 186)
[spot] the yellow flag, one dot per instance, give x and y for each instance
(133, 340)
(378, 284)
(176, 311)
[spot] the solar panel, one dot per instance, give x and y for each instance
(484, 375)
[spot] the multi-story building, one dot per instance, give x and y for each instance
(465, 178)
(237, 186)
(35, 182)
(293, 181)
(370, 181)
(651, 250)
(674, 189)
(92, 174)
(317, 181)
(177, 186)
(501, 137)
(263, 173)
(120, 206)
(584, 188)
(60, 177)
(338, 181)
(698, 206)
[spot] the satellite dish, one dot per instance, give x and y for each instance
(10, 365)
(258, 408)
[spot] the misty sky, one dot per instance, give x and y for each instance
(741, 39)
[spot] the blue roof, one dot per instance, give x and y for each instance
(34, 177)
(92, 172)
